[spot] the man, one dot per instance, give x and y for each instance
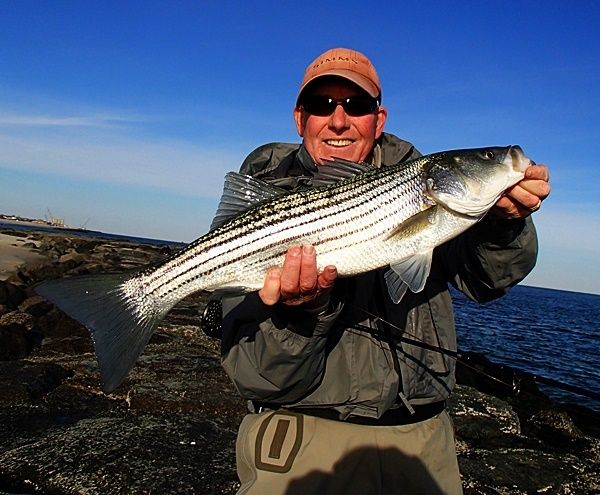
(340, 402)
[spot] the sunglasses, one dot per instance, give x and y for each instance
(355, 106)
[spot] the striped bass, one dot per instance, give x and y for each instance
(361, 219)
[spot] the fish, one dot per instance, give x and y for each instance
(357, 217)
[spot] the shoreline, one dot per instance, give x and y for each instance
(16, 251)
(35, 222)
(44, 228)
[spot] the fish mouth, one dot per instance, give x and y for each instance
(517, 159)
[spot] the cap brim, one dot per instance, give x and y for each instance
(358, 79)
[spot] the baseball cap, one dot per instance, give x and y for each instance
(346, 63)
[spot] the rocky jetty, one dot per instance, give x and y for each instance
(170, 427)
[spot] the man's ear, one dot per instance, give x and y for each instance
(381, 117)
(300, 119)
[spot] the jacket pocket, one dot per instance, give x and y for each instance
(430, 359)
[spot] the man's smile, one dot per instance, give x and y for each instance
(338, 143)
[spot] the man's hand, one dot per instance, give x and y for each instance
(525, 197)
(298, 282)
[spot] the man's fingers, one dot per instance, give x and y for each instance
(271, 291)
(539, 188)
(538, 172)
(307, 284)
(525, 197)
(290, 272)
(327, 277)
(297, 281)
(522, 197)
(529, 193)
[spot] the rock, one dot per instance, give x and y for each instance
(556, 428)
(87, 247)
(24, 383)
(45, 271)
(481, 418)
(55, 324)
(14, 343)
(18, 318)
(496, 457)
(35, 306)
(516, 471)
(11, 295)
(17, 338)
(71, 260)
(133, 454)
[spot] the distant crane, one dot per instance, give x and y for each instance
(54, 221)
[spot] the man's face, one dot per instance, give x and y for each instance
(339, 135)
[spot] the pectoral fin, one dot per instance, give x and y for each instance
(410, 274)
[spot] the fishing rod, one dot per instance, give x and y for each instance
(415, 341)
(211, 325)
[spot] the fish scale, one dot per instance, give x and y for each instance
(394, 215)
(355, 211)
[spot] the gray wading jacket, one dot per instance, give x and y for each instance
(355, 357)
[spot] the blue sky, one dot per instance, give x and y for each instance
(124, 116)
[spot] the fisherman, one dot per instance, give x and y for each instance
(346, 389)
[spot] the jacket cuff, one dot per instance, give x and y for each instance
(313, 322)
(304, 322)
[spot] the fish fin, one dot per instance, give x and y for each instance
(396, 286)
(411, 272)
(121, 319)
(417, 222)
(337, 170)
(414, 270)
(240, 193)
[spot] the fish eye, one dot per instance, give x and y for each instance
(489, 154)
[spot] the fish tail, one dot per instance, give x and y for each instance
(120, 316)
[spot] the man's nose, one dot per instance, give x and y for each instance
(339, 118)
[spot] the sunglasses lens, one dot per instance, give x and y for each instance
(323, 106)
(357, 106)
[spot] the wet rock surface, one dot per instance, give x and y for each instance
(171, 426)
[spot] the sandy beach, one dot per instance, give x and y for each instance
(16, 250)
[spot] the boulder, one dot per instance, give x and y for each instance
(11, 295)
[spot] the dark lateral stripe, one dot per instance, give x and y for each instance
(288, 218)
(183, 280)
(299, 203)
(258, 219)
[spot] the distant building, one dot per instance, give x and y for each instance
(56, 222)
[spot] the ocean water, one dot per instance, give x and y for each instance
(551, 333)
